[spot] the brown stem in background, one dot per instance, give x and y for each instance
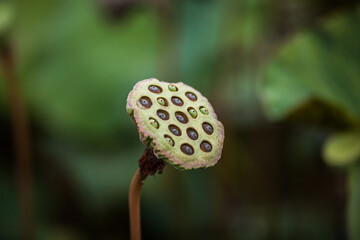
(21, 141)
(134, 205)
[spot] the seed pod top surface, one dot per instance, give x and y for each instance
(177, 122)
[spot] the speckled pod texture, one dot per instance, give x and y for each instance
(177, 122)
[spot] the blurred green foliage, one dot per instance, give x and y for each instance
(6, 17)
(342, 149)
(322, 63)
(85, 66)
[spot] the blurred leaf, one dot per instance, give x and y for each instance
(198, 44)
(342, 149)
(319, 63)
(102, 178)
(249, 23)
(78, 69)
(6, 16)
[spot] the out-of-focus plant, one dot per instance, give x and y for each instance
(19, 121)
(343, 150)
(315, 79)
(6, 17)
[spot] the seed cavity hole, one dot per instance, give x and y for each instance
(177, 101)
(193, 113)
(181, 117)
(145, 101)
(155, 89)
(162, 101)
(154, 123)
(187, 149)
(192, 133)
(164, 115)
(208, 128)
(172, 88)
(191, 96)
(204, 110)
(175, 130)
(169, 140)
(205, 146)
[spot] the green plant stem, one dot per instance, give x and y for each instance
(134, 205)
(21, 139)
(354, 202)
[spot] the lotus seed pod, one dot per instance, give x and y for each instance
(177, 123)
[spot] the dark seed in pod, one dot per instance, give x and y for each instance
(206, 146)
(163, 114)
(146, 102)
(187, 149)
(181, 117)
(177, 101)
(192, 133)
(175, 130)
(155, 89)
(207, 128)
(191, 96)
